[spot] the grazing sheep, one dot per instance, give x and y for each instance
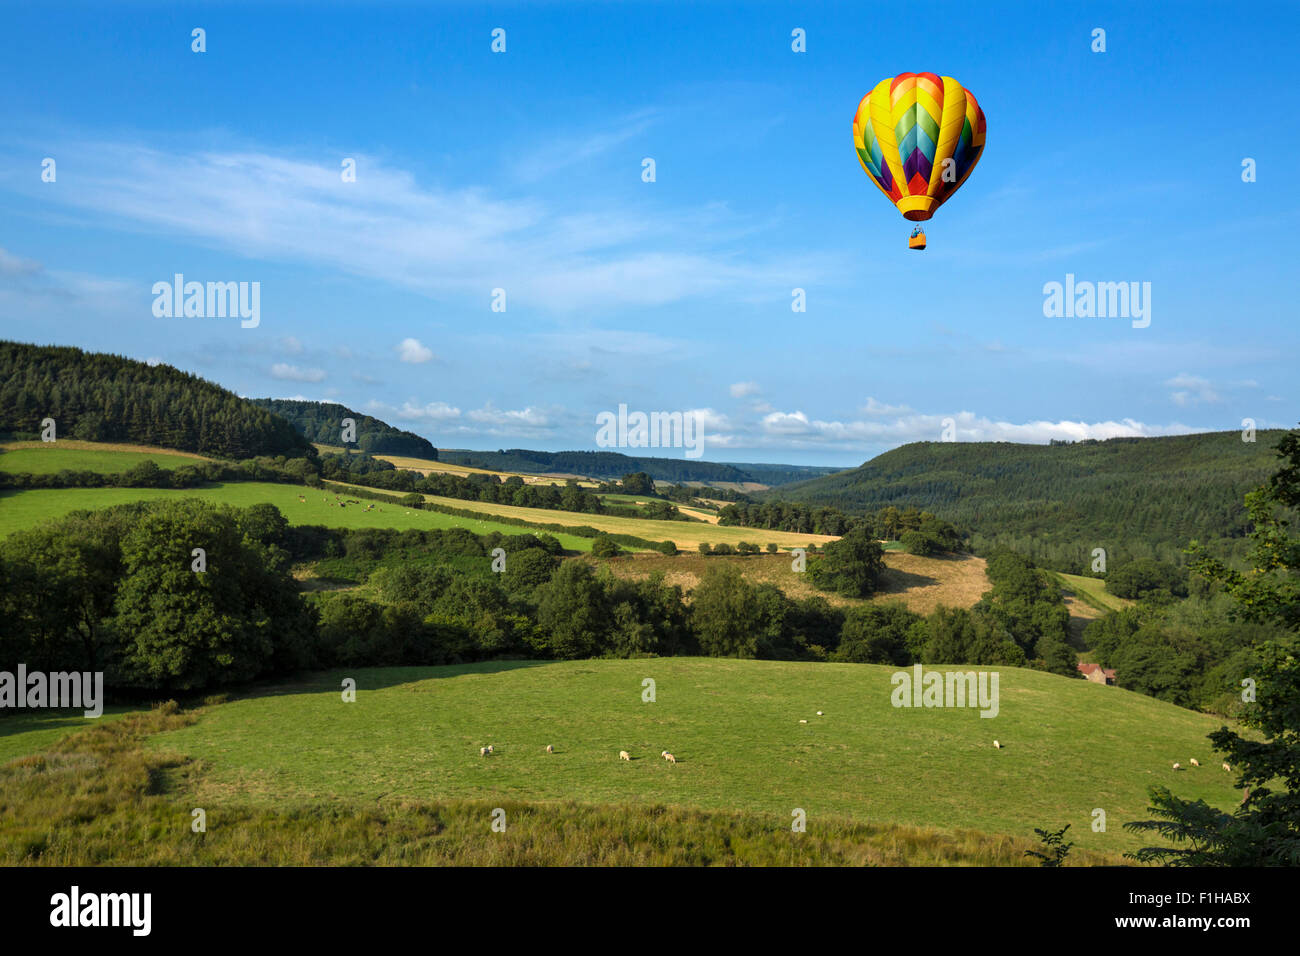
(1195, 762)
(1178, 766)
(996, 745)
(1227, 768)
(670, 758)
(624, 755)
(819, 713)
(550, 749)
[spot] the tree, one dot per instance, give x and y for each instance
(1265, 829)
(851, 566)
(876, 634)
(572, 612)
(603, 546)
(725, 614)
(186, 629)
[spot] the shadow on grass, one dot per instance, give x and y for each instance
(894, 581)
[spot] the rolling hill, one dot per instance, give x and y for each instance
(1135, 497)
(321, 423)
(94, 396)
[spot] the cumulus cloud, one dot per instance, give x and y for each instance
(413, 352)
(744, 389)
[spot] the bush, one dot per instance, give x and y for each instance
(771, 548)
(923, 543)
(603, 546)
(722, 548)
(704, 548)
(746, 547)
(668, 547)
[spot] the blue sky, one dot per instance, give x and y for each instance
(522, 171)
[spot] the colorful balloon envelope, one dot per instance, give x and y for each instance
(918, 136)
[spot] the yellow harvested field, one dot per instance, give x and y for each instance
(687, 535)
(922, 584)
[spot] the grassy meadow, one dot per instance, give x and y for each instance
(23, 509)
(1069, 746)
(292, 774)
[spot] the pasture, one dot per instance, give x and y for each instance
(23, 509)
(414, 734)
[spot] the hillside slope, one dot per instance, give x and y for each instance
(322, 422)
(94, 396)
(1069, 746)
(1135, 497)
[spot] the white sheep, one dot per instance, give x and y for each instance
(1195, 762)
(550, 749)
(1178, 766)
(1227, 768)
(803, 721)
(624, 755)
(996, 745)
(819, 713)
(670, 758)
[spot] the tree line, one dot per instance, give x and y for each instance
(119, 590)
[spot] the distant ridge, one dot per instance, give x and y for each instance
(596, 464)
(1134, 497)
(322, 423)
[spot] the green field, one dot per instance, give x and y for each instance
(41, 458)
(23, 509)
(1069, 746)
(1092, 591)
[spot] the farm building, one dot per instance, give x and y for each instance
(1097, 674)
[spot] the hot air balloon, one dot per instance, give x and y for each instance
(918, 136)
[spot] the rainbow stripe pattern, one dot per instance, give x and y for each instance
(918, 136)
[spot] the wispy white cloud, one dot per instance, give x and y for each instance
(441, 242)
(292, 373)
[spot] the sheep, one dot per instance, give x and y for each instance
(819, 713)
(997, 745)
(489, 748)
(624, 755)
(1178, 766)
(482, 751)
(1195, 762)
(550, 749)
(670, 758)
(664, 754)
(1227, 768)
